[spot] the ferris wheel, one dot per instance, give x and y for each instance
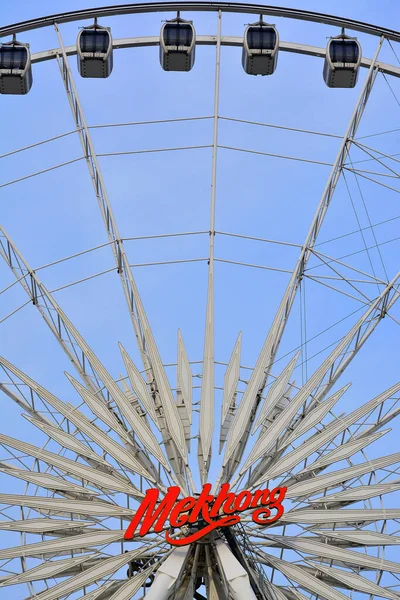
(191, 477)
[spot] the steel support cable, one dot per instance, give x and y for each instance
(384, 185)
(392, 90)
(355, 232)
(273, 155)
(258, 239)
(367, 151)
(105, 154)
(369, 220)
(62, 135)
(286, 128)
(329, 265)
(347, 266)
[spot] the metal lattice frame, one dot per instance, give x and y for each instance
(89, 463)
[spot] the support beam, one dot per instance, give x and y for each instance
(168, 575)
(246, 413)
(207, 386)
(235, 575)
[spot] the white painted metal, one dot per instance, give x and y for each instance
(356, 582)
(235, 575)
(316, 415)
(322, 482)
(67, 507)
(42, 526)
(353, 341)
(76, 542)
(129, 589)
(367, 537)
(275, 393)
(297, 574)
(139, 385)
(46, 570)
(345, 451)
(87, 577)
(207, 386)
(350, 557)
(231, 381)
(348, 516)
(168, 575)
(66, 440)
(184, 392)
(281, 423)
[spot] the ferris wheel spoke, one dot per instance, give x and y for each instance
(139, 385)
(324, 518)
(67, 440)
(349, 557)
(102, 481)
(104, 590)
(49, 569)
(77, 582)
(302, 577)
(316, 415)
(344, 451)
(66, 334)
(275, 394)
(49, 482)
(130, 587)
(333, 367)
(239, 431)
(323, 482)
(169, 422)
(76, 542)
(348, 349)
(206, 428)
(313, 444)
(45, 526)
(184, 389)
(231, 380)
(355, 582)
(82, 423)
(65, 507)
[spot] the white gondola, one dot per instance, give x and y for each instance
(95, 51)
(15, 68)
(177, 45)
(342, 62)
(260, 48)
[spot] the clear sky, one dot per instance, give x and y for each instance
(54, 215)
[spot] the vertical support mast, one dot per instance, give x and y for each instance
(207, 387)
(169, 421)
(245, 415)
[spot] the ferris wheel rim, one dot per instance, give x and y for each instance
(137, 8)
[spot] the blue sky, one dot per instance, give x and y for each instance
(55, 214)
